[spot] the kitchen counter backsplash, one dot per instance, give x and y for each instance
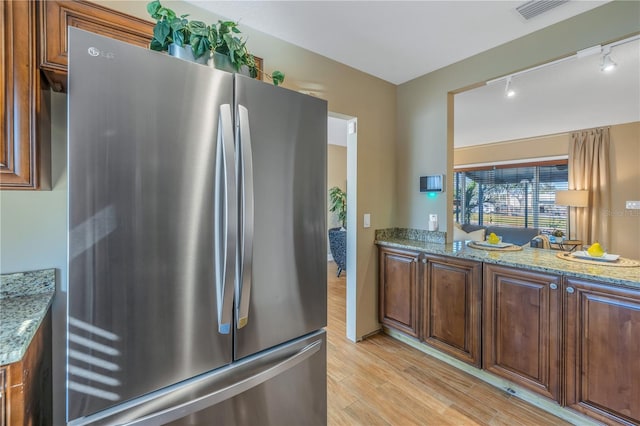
(411, 234)
(27, 283)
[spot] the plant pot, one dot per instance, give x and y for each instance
(186, 53)
(223, 62)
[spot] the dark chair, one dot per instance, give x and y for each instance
(338, 246)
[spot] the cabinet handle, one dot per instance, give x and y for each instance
(553, 286)
(570, 290)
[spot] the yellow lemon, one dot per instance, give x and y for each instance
(596, 250)
(493, 238)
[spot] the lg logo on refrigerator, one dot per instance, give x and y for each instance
(94, 51)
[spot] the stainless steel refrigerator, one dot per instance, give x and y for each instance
(197, 247)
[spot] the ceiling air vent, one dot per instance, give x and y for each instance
(533, 8)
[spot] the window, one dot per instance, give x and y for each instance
(521, 195)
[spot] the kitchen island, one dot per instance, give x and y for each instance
(555, 332)
(25, 346)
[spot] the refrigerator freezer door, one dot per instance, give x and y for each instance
(282, 236)
(286, 385)
(143, 129)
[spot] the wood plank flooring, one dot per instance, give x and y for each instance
(381, 381)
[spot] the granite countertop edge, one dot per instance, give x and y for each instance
(25, 299)
(534, 259)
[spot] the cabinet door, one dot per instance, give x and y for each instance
(602, 350)
(56, 16)
(23, 161)
(522, 328)
(27, 394)
(399, 290)
(452, 307)
(3, 375)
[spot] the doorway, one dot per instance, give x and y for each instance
(342, 172)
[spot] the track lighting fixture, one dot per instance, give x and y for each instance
(607, 64)
(508, 90)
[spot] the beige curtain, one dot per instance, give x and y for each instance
(589, 169)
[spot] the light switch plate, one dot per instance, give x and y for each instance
(633, 205)
(367, 220)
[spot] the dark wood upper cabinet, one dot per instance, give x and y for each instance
(522, 328)
(24, 107)
(602, 349)
(398, 299)
(56, 16)
(452, 303)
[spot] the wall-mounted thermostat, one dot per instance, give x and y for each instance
(432, 183)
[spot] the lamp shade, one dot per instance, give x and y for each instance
(573, 198)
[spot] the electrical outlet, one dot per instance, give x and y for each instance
(633, 205)
(367, 220)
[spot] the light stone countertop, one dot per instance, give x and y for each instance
(25, 298)
(528, 258)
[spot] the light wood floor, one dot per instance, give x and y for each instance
(381, 381)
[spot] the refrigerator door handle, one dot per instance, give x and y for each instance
(245, 260)
(225, 220)
(267, 372)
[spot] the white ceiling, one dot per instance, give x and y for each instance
(572, 95)
(423, 36)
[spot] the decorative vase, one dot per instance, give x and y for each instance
(223, 62)
(186, 53)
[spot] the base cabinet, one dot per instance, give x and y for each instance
(602, 349)
(572, 340)
(25, 386)
(398, 298)
(451, 313)
(522, 328)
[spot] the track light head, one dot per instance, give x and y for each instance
(508, 90)
(607, 64)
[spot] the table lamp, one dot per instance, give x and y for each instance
(572, 198)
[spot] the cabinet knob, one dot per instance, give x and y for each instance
(553, 286)
(570, 290)
(424, 260)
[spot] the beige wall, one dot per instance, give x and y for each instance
(543, 146)
(336, 176)
(625, 174)
(425, 115)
